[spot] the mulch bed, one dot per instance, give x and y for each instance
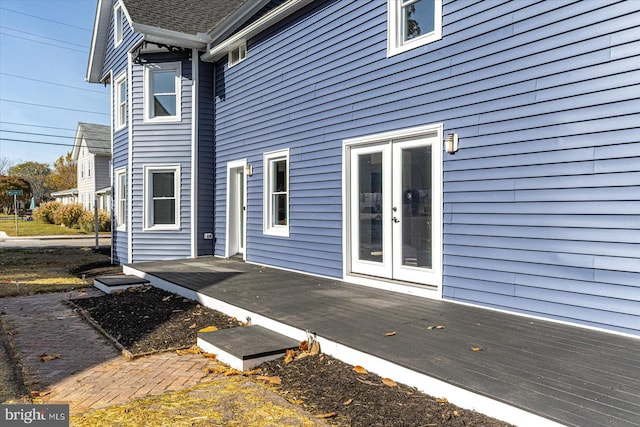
(145, 320)
(148, 319)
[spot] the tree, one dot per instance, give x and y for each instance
(13, 183)
(35, 174)
(64, 175)
(5, 164)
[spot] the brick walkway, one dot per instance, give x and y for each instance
(89, 373)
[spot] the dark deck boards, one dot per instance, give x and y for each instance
(571, 375)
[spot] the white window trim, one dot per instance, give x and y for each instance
(242, 53)
(268, 228)
(118, 30)
(395, 43)
(121, 120)
(148, 91)
(148, 195)
(121, 217)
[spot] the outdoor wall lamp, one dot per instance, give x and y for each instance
(248, 170)
(451, 143)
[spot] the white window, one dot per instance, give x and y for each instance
(89, 168)
(162, 92)
(118, 24)
(121, 101)
(238, 54)
(81, 169)
(412, 23)
(162, 197)
(121, 199)
(276, 193)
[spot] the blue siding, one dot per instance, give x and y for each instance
(161, 144)
(540, 203)
(115, 62)
(206, 166)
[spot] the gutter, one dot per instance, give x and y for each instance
(276, 15)
(169, 37)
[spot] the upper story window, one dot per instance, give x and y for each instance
(412, 23)
(238, 54)
(162, 91)
(81, 169)
(118, 24)
(121, 101)
(88, 168)
(276, 193)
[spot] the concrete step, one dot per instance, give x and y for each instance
(110, 284)
(246, 347)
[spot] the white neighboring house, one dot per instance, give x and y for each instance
(66, 197)
(92, 155)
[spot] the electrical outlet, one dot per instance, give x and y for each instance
(208, 236)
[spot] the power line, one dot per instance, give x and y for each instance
(50, 135)
(35, 126)
(54, 107)
(44, 37)
(44, 143)
(45, 19)
(53, 83)
(41, 42)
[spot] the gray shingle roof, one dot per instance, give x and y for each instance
(98, 138)
(185, 16)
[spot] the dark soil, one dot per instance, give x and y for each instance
(99, 268)
(324, 385)
(148, 319)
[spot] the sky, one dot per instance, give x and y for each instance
(44, 51)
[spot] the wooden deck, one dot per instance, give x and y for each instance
(573, 376)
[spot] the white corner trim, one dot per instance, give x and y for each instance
(194, 152)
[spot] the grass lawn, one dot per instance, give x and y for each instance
(44, 269)
(34, 228)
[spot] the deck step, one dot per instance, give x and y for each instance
(246, 347)
(110, 284)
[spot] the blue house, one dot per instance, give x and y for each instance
(485, 153)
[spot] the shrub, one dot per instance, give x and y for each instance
(87, 221)
(68, 215)
(46, 212)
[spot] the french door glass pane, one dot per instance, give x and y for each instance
(370, 207)
(416, 207)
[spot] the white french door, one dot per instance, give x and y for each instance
(395, 209)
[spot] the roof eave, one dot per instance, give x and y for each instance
(172, 38)
(98, 41)
(220, 48)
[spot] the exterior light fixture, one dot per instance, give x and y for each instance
(248, 170)
(451, 143)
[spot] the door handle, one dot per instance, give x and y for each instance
(396, 220)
